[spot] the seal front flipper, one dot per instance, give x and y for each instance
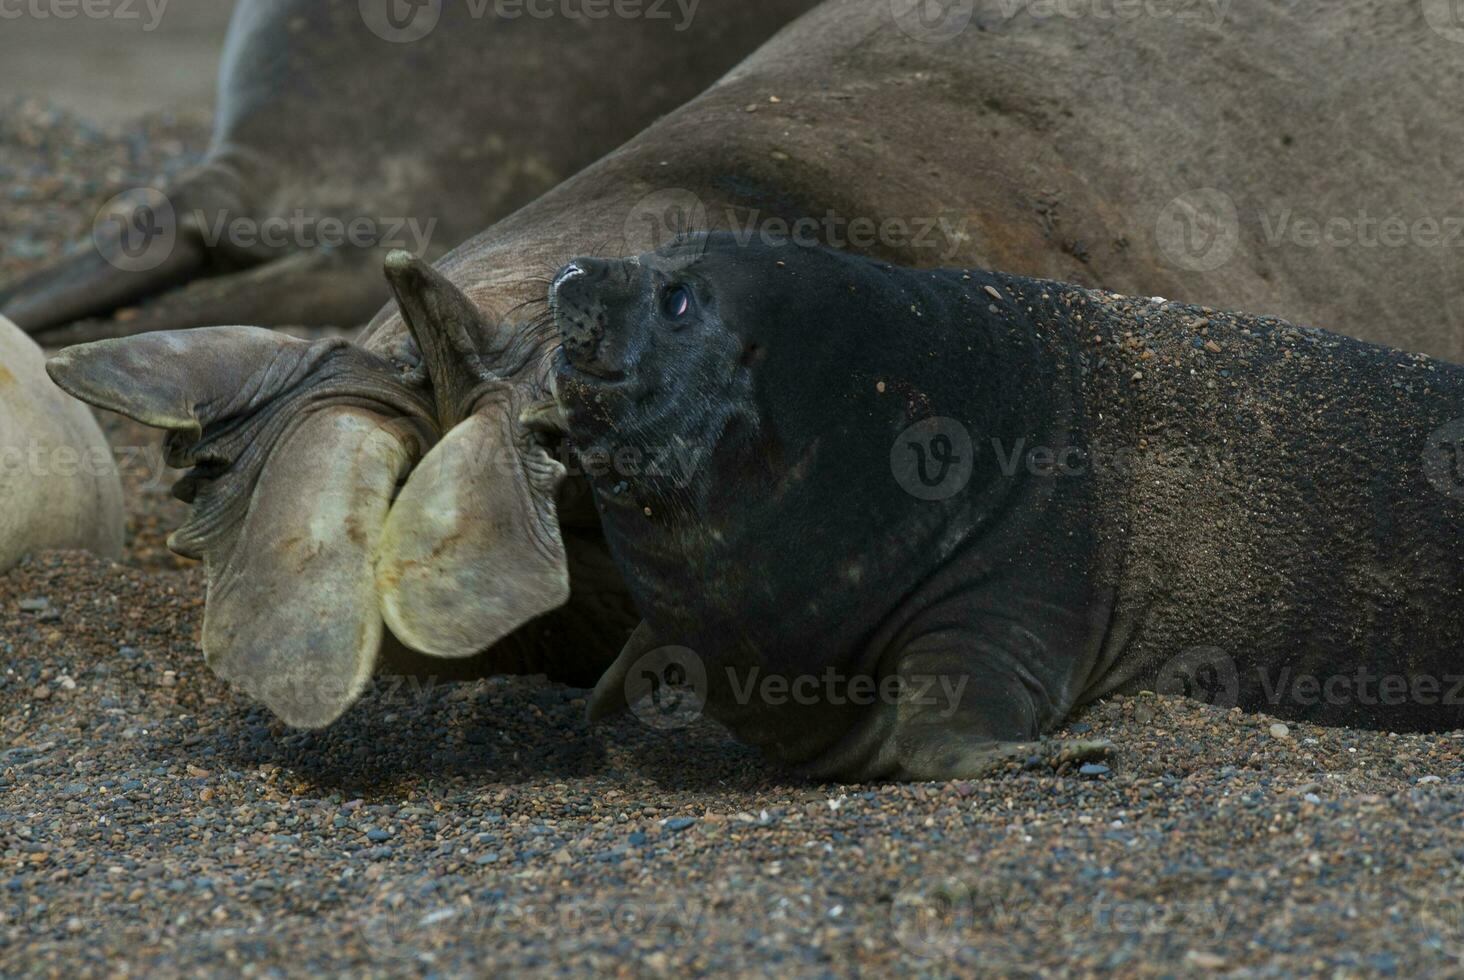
(952, 720)
(982, 759)
(969, 709)
(608, 698)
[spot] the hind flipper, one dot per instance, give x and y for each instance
(85, 284)
(320, 287)
(164, 261)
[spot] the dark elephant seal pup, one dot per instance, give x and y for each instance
(899, 477)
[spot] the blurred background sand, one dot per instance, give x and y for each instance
(148, 55)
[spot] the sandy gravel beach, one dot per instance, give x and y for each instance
(152, 823)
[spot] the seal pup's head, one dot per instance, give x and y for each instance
(683, 373)
(657, 363)
(735, 404)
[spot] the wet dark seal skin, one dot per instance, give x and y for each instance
(1281, 503)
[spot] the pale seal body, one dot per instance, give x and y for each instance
(58, 479)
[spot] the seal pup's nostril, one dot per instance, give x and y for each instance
(567, 275)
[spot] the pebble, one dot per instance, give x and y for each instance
(1279, 730)
(1204, 960)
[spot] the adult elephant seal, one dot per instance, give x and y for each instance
(348, 127)
(931, 445)
(57, 476)
(1047, 147)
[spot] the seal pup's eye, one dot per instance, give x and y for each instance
(676, 302)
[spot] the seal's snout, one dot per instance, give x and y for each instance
(578, 301)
